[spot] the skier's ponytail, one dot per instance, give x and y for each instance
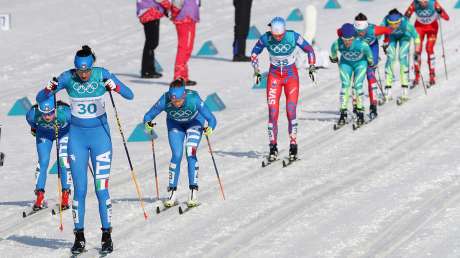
(394, 11)
(360, 17)
(86, 51)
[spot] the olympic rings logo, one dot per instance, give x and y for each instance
(51, 125)
(280, 48)
(353, 55)
(425, 12)
(180, 114)
(87, 87)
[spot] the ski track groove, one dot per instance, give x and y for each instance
(408, 224)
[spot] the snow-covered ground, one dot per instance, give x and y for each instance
(390, 189)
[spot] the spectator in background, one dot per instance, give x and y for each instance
(185, 14)
(150, 13)
(241, 29)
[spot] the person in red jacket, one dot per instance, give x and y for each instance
(428, 12)
(185, 14)
(150, 12)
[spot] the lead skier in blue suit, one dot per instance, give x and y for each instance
(186, 115)
(89, 137)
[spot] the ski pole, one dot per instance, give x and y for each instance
(312, 76)
(215, 167)
(443, 51)
(90, 169)
(56, 134)
(423, 84)
(378, 73)
(155, 167)
(379, 82)
(2, 155)
(133, 175)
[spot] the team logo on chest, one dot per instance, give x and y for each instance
(280, 48)
(425, 12)
(180, 114)
(86, 87)
(353, 55)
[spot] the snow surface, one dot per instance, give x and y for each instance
(390, 189)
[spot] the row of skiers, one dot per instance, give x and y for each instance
(82, 128)
(82, 132)
(358, 45)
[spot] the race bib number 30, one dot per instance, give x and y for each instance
(88, 107)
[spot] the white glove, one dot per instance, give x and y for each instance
(110, 85)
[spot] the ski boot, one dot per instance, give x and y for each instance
(172, 198)
(404, 97)
(40, 200)
(193, 198)
(151, 75)
(273, 153)
(342, 119)
(80, 242)
(432, 80)
(292, 152)
(65, 199)
(415, 83)
(360, 118)
(106, 241)
(388, 96)
(355, 109)
(373, 111)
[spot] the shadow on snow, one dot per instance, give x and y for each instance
(41, 242)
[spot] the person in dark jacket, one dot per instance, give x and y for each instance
(241, 29)
(150, 12)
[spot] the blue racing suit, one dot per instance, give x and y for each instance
(44, 136)
(184, 123)
(89, 138)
